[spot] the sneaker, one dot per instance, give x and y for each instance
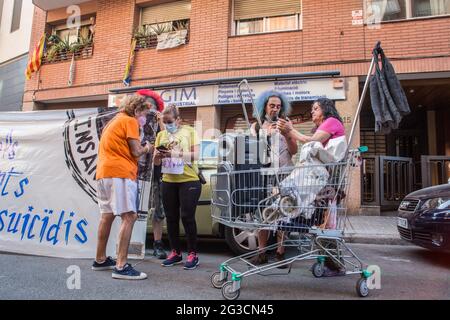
(260, 259)
(108, 264)
(128, 273)
(191, 262)
(173, 259)
(280, 257)
(328, 272)
(158, 250)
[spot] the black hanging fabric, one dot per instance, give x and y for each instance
(389, 103)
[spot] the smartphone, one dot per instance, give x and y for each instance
(162, 148)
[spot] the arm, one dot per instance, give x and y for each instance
(286, 126)
(160, 121)
(136, 149)
(292, 145)
(288, 131)
(157, 157)
(319, 135)
(253, 129)
(191, 156)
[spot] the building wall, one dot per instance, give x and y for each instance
(12, 83)
(15, 44)
(14, 47)
(328, 41)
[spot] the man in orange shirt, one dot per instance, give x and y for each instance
(116, 175)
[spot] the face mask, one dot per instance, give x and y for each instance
(171, 127)
(142, 121)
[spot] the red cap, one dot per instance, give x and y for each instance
(154, 95)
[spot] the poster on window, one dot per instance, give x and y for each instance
(48, 196)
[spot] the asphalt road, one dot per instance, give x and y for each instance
(407, 272)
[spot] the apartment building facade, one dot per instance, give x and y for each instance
(16, 18)
(305, 48)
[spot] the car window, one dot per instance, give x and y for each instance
(208, 150)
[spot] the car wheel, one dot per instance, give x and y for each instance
(241, 241)
(244, 241)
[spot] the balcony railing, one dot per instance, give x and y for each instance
(151, 41)
(84, 53)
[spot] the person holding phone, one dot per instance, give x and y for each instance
(271, 106)
(156, 210)
(117, 168)
(177, 149)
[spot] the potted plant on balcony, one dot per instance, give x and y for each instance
(64, 48)
(53, 49)
(74, 48)
(85, 45)
(142, 35)
(85, 40)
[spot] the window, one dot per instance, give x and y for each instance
(65, 42)
(17, 12)
(72, 35)
(257, 16)
(423, 8)
(1, 12)
(388, 10)
(208, 150)
(163, 18)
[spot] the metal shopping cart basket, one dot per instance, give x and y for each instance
(309, 201)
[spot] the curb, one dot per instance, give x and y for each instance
(376, 239)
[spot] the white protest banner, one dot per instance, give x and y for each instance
(48, 200)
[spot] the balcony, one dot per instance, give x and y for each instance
(56, 4)
(60, 56)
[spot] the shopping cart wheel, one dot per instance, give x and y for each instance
(361, 288)
(318, 270)
(228, 293)
(216, 282)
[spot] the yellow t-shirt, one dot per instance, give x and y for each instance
(182, 140)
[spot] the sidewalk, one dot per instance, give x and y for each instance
(373, 230)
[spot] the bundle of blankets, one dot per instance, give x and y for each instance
(310, 185)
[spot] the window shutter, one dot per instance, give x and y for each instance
(188, 115)
(1, 11)
(17, 13)
(172, 11)
(249, 9)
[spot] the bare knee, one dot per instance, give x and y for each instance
(107, 218)
(129, 217)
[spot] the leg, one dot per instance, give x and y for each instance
(126, 228)
(280, 249)
(189, 193)
(104, 229)
(261, 258)
(171, 204)
(158, 210)
(280, 239)
(263, 236)
(157, 229)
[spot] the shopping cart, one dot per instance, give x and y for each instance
(309, 201)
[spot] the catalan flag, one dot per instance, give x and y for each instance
(36, 59)
(129, 67)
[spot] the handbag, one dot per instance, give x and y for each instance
(201, 177)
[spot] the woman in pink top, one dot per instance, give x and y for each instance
(327, 120)
(328, 126)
